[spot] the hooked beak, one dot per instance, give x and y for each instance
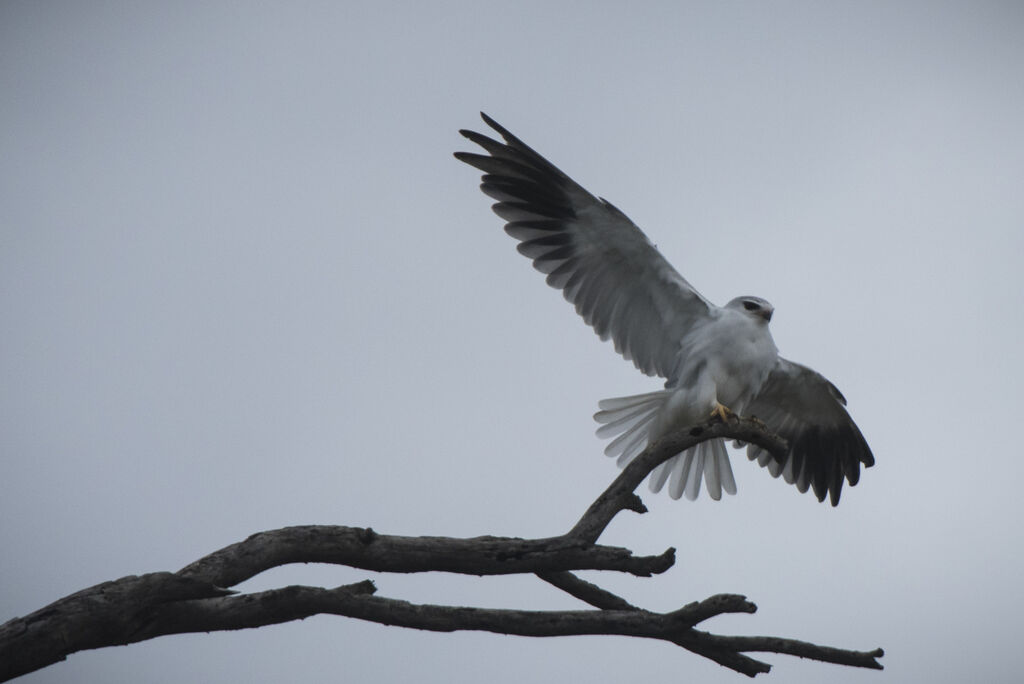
(766, 314)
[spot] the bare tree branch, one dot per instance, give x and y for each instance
(363, 548)
(795, 647)
(102, 615)
(195, 599)
(585, 591)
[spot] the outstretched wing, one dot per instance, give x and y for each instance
(604, 265)
(825, 445)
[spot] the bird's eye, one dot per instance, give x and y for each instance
(751, 306)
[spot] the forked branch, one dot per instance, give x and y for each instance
(196, 598)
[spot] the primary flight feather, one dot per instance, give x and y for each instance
(715, 360)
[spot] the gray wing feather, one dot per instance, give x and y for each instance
(603, 263)
(825, 445)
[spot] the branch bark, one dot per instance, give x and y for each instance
(195, 599)
(363, 548)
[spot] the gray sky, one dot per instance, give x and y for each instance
(244, 285)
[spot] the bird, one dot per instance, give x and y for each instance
(717, 361)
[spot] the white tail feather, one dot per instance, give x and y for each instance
(725, 469)
(635, 446)
(617, 424)
(612, 415)
(616, 403)
(631, 418)
(684, 471)
(712, 469)
(680, 466)
(619, 444)
(658, 476)
(693, 476)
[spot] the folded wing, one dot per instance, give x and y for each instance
(604, 265)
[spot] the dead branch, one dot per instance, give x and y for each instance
(365, 549)
(195, 599)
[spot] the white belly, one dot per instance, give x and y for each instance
(725, 362)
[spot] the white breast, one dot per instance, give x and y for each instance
(726, 360)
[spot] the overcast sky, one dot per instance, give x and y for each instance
(243, 285)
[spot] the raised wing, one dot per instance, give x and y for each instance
(825, 445)
(604, 265)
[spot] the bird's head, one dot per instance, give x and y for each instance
(753, 306)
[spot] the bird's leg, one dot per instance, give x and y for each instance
(723, 413)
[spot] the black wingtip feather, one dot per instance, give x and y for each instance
(492, 146)
(836, 487)
(504, 132)
(820, 459)
(493, 124)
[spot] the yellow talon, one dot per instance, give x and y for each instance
(722, 413)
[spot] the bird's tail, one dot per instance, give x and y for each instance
(631, 418)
